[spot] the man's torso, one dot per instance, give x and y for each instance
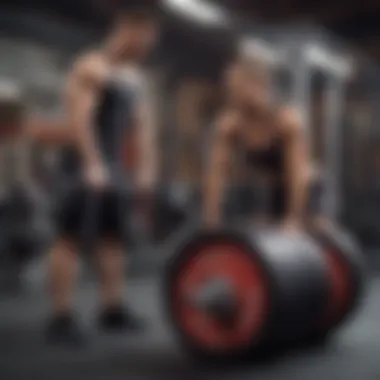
(113, 119)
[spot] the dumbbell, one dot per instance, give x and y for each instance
(230, 293)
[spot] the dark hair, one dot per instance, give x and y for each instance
(135, 10)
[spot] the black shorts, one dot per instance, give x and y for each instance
(248, 201)
(85, 214)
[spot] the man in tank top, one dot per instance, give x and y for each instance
(106, 95)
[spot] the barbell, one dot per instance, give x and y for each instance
(28, 226)
(233, 292)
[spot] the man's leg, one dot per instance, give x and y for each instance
(112, 265)
(63, 269)
(112, 268)
(62, 273)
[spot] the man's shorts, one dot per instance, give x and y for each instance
(83, 213)
(272, 202)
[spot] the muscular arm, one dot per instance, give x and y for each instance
(218, 169)
(148, 141)
(297, 164)
(84, 85)
(192, 97)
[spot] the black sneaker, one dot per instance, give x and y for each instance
(64, 331)
(116, 319)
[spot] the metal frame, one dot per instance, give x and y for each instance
(337, 70)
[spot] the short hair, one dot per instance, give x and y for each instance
(254, 66)
(134, 10)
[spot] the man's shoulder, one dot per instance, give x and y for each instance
(228, 123)
(136, 75)
(289, 120)
(90, 64)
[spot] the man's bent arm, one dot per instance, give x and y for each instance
(298, 165)
(218, 169)
(82, 94)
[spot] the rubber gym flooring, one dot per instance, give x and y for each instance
(354, 353)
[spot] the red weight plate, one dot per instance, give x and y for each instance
(231, 262)
(340, 286)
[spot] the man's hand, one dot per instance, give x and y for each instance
(211, 223)
(145, 184)
(292, 225)
(96, 176)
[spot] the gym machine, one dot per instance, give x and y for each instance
(24, 216)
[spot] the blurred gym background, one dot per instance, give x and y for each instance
(326, 56)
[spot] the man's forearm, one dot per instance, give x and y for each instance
(148, 142)
(88, 147)
(213, 201)
(297, 195)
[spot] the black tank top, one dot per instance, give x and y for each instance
(270, 159)
(112, 119)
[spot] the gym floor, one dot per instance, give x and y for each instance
(353, 353)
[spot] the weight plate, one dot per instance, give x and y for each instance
(236, 266)
(341, 287)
